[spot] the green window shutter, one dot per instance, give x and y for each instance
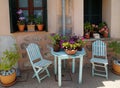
(13, 16)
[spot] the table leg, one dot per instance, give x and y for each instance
(55, 65)
(73, 65)
(59, 72)
(64, 63)
(80, 69)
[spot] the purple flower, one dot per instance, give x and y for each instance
(19, 11)
(71, 41)
(74, 38)
(61, 42)
(21, 18)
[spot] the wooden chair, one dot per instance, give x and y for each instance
(39, 64)
(99, 59)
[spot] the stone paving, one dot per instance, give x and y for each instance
(88, 80)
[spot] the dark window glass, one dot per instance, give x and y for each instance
(93, 11)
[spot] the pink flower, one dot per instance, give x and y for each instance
(101, 30)
(106, 31)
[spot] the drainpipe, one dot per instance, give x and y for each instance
(63, 16)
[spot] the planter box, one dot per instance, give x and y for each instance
(31, 27)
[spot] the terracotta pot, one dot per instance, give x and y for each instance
(21, 28)
(56, 48)
(79, 48)
(87, 35)
(40, 27)
(91, 34)
(9, 79)
(105, 35)
(70, 52)
(116, 67)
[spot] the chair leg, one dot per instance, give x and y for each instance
(47, 72)
(106, 70)
(93, 69)
(38, 78)
(33, 75)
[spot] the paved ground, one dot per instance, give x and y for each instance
(25, 81)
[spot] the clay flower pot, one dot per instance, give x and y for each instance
(8, 80)
(40, 27)
(56, 47)
(70, 52)
(21, 27)
(116, 67)
(87, 35)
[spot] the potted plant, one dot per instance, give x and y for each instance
(88, 29)
(56, 39)
(21, 20)
(39, 23)
(115, 46)
(81, 43)
(31, 25)
(7, 72)
(103, 29)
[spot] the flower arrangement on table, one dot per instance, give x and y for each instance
(72, 43)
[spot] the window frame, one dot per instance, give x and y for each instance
(13, 7)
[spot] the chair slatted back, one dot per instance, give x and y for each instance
(33, 52)
(99, 48)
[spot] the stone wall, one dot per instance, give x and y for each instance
(22, 39)
(25, 38)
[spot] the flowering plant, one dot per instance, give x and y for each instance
(21, 18)
(103, 29)
(55, 38)
(67, 42)
(73, 43)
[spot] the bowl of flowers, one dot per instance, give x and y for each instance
(73, 44)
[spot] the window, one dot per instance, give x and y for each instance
(93, 11)
(29, 7)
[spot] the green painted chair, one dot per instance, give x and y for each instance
(39, 64)
(99, 59)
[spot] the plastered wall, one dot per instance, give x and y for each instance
(4, 18)
(110, 15)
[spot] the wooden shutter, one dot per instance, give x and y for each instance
(13, 16)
